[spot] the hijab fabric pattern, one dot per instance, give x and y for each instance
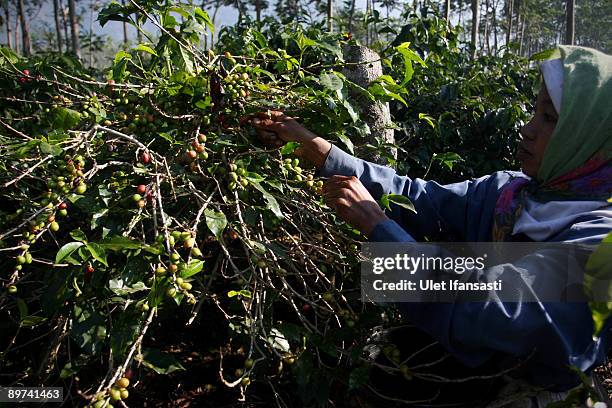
(592, 181)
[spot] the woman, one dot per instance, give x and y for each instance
(560, 196)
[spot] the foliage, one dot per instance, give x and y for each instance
(137, 200)
(456, 106)
(139, 194)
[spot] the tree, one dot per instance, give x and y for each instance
(7, 21)
(330, 15)
(475, 24)
(510, 9)
(447, 10)
(569, 21)
(74, 28)
(58, 25)
(25, 28)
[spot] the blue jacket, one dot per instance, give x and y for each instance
(558, 334)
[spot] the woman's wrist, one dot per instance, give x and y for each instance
(316, 151)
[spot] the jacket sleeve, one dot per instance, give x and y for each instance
(535, 323)
(441, 209)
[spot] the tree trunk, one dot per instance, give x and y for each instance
(495, 27)
(330, 15)
(25, 29)
(569, 21)
(74, 28)
(125, 27)
(475, 23)
(367, 26)
(58, 26)
(351, 15)
(16, 33)
(510, 6)
(487, 43)
(522, 33)
(65, 24)
(258, 10)
(9, 30)
(447, 10)
(92, 9)
(365, 68)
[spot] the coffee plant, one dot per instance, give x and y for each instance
(145, 231)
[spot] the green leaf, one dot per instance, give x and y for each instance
(347, 142)
(409, 56)
(118, 243)
(78, 235)
(53, 150)
(215, 221)
(331, 81)
(289, 148)
(449, 159)
(192, 268)
(118, 287)
(64, 118)
(31, 321)
(397, 199)
(272, 204)
(145, 48)
(202, 17)
(427, 119)
(97, 252)
(67, 250)
(161, 363)
(88, 330)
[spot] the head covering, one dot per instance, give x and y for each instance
(585, 118)
(552, 71)
(577, 162)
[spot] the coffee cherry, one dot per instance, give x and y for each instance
(141, 189)
(328, 297)
(192, 154)
(123, 383)
(115, 394)
(21, 259)
(248, 363)
(63, 213)
(202, 137)
(173, 268)
(145, 158)
(262, 263)
(81, 188)
(189, 243)
(246, 381)
(54, 226)
(175, 257)
(28, 258)
(136, 197)
(233, 176)
(306, 307)
(12, 289)
(196, 252)
(185, 285)
(160, 271)
(171, 291)
(89, 269)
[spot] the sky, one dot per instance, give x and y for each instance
(42, 19)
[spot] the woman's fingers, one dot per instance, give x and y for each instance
(272, 115)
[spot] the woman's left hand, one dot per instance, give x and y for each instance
(353, 203)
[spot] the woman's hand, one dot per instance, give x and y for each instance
(353, 203)
(275, 129)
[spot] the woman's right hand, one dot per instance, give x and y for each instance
(275, 129)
